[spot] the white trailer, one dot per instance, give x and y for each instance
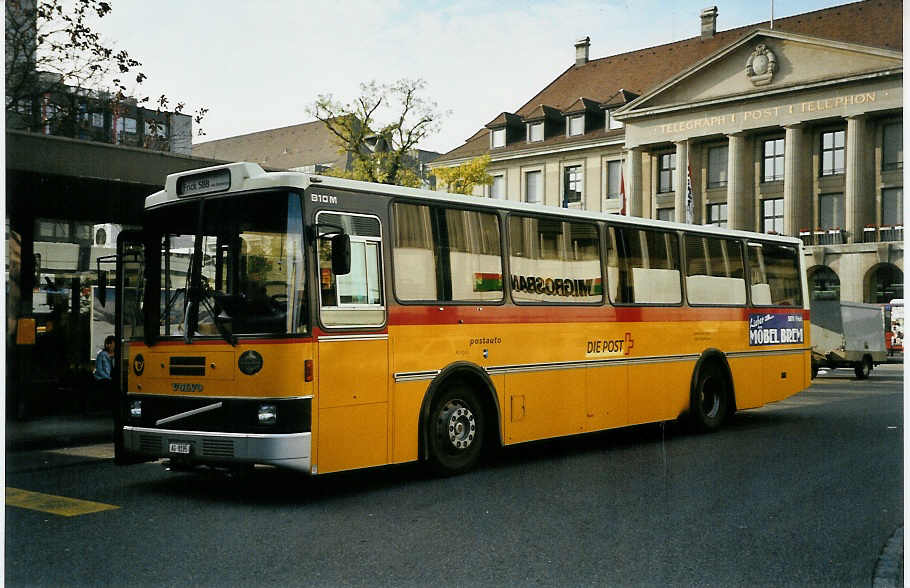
(847, 334)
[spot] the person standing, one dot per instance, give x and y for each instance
(104, 365)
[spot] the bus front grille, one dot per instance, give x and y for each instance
(218, 448)
(150, 444)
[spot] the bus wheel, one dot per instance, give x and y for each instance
(864, 369)
(710, 398)
(455, 431)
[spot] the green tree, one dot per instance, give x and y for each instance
(380, 151)
(461, 179)
(57, 64)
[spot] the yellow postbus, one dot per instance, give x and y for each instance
(323, 324)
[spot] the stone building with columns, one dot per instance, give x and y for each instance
(791, 127)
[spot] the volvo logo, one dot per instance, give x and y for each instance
(187, 387)
(138, 364)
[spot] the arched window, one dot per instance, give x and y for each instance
(884, 283)
(823, 283)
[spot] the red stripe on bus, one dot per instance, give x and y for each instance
(431, 315)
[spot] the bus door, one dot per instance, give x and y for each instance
(129, 324)
(352, 425)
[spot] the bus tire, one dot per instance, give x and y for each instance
(455, 430)
(814, 370)
(864, 369)
(710, 401)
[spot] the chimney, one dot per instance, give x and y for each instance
(581, 51)
(708, 22)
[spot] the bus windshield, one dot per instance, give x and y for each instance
(229, 266)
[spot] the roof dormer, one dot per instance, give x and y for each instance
(542, 123)
(582, 116)
(505, 129)
(614, 103)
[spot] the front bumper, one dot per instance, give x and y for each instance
(290, 450)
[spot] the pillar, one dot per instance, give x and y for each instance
(738, 205)
(854, 185)
(793, 146)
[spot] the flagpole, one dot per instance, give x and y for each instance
(772, 14)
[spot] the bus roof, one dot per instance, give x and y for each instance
(244, 177)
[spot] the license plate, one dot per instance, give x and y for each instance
(179, 448)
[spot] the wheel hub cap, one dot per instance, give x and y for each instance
(459, 423)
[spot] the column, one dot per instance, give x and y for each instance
(853, 185)
(738, 208)
(793, 147)
(682, 167)
(633, 185)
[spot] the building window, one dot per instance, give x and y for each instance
(98, 120)
(534, 187)
(893, 206)
(573, 182)
(612, 123)
(156, 129)
(773, 160)
(614, 175)
(831, 211)
(498, 187)
(575, 125)
(773, 215)
(893, 146)
(666, 214)
(717, 215)
(885, 284)
(666, 175)
(535, 132)
(833, 148)
(824, 284)
(717, 167)
(498, 138)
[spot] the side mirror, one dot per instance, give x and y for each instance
(341, 254)
(102, 287)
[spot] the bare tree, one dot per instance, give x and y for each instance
(380, 151)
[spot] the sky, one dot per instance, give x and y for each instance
(260, 65)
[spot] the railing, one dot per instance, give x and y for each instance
(823, 237)
(871, 234)
(874, 234)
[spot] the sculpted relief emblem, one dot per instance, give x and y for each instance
(761, 65)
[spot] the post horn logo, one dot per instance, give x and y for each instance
(138, 365)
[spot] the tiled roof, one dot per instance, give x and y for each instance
(873, 23)
(284, 148)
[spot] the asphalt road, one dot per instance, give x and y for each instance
(804, 492)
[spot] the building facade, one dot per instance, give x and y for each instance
(795, 129)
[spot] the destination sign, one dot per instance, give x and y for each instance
(216, 181)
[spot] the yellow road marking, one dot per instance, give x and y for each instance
(101, 451)
(58, 505)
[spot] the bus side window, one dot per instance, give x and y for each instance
(413, 253)
(774, 275)
(714, 271)
(552, 260)
(646, 264)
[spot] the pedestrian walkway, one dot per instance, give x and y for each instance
(58, 431)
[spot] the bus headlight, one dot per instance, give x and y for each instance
(268, 414)
(136, 409)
